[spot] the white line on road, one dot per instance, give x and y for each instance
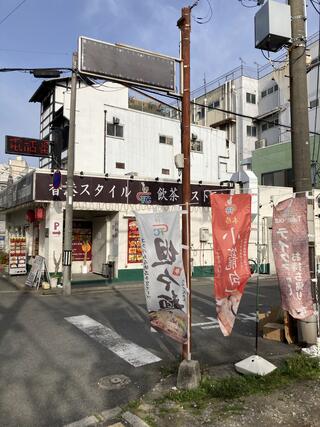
(130, 352)
(213, 323)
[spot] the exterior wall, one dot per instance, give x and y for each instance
(275, 158)
(140, 150)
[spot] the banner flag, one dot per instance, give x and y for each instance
(231, 224)
(164, 276)
(291, 256)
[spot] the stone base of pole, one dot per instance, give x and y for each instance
(189, 375)
(254, 365)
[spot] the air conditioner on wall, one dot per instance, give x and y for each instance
(194, 136)
(116, 120)
(260, 143)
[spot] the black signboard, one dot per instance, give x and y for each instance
(126, 191)
(27, 146)
(124, 63)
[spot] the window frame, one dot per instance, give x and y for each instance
(115, 126)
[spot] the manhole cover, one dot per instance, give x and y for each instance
(114, 382)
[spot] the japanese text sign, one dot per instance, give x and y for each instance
(231, 224)
(27, 146)
(164, 276)
(291, 255)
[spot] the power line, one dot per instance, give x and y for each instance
(12, 11)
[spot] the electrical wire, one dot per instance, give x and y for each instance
(314, 6)
(317, 97)
(12, 11)
(207, 18)
(34, 52)
(249, 7)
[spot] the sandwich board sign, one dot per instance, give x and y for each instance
(38, 270)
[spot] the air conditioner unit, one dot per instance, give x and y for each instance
(261, 143)
(194, 136)
(116, 120)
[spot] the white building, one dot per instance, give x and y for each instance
(124, 161)
(261, 98)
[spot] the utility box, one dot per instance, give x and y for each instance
(272, 26)
(204, 235)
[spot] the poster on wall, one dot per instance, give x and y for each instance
(81, 241)
(17, 255)
(134, 243)
(164, 276)
(291, 255)
(231, 225)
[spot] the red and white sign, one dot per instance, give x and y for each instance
(56, 228)
(291, 256)
(231, 224)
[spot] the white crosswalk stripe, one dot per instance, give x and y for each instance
(132, 353)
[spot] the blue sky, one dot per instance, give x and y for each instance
(44, 33)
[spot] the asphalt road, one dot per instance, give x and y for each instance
(49, 369)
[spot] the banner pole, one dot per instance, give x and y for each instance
(188, 275)
(316, 273)
(258, 273)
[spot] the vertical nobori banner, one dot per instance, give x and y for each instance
(231, 224)
(164, 276)
(291, 256)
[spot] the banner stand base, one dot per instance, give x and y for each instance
(254, 365)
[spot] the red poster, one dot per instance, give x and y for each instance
(291, 255)
(231, 223)
(134, 244)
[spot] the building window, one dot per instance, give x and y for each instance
(282, 178)
(196, 145)
(114, 129)
(165, 171)
(120, 165)
(46, 103)
(201, 113)
(275, 88)
(216, 104)
(251, 131)
(314, 103)
(270, 90)
(270, 122)
(263, 93)
(163, 139)
(251, 98)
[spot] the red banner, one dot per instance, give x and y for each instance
(291, 255)
(231, 223)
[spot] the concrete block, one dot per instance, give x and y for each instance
(189, 375)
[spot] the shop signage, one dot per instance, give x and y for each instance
(134, 243)
(56, 229)
(291, 256)
(100, 190)
(164, 276)
(231, 224)
(17, 255)
(38, 270)
(27, 146)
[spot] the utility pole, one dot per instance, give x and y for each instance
(68, 221)
(184, 25)
(301, 163)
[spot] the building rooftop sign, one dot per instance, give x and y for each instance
(126, 64)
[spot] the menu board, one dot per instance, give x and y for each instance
(17, 255)
(82, 241)
(134, 244)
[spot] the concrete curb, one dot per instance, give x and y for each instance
(97, 419)
(134, 420)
